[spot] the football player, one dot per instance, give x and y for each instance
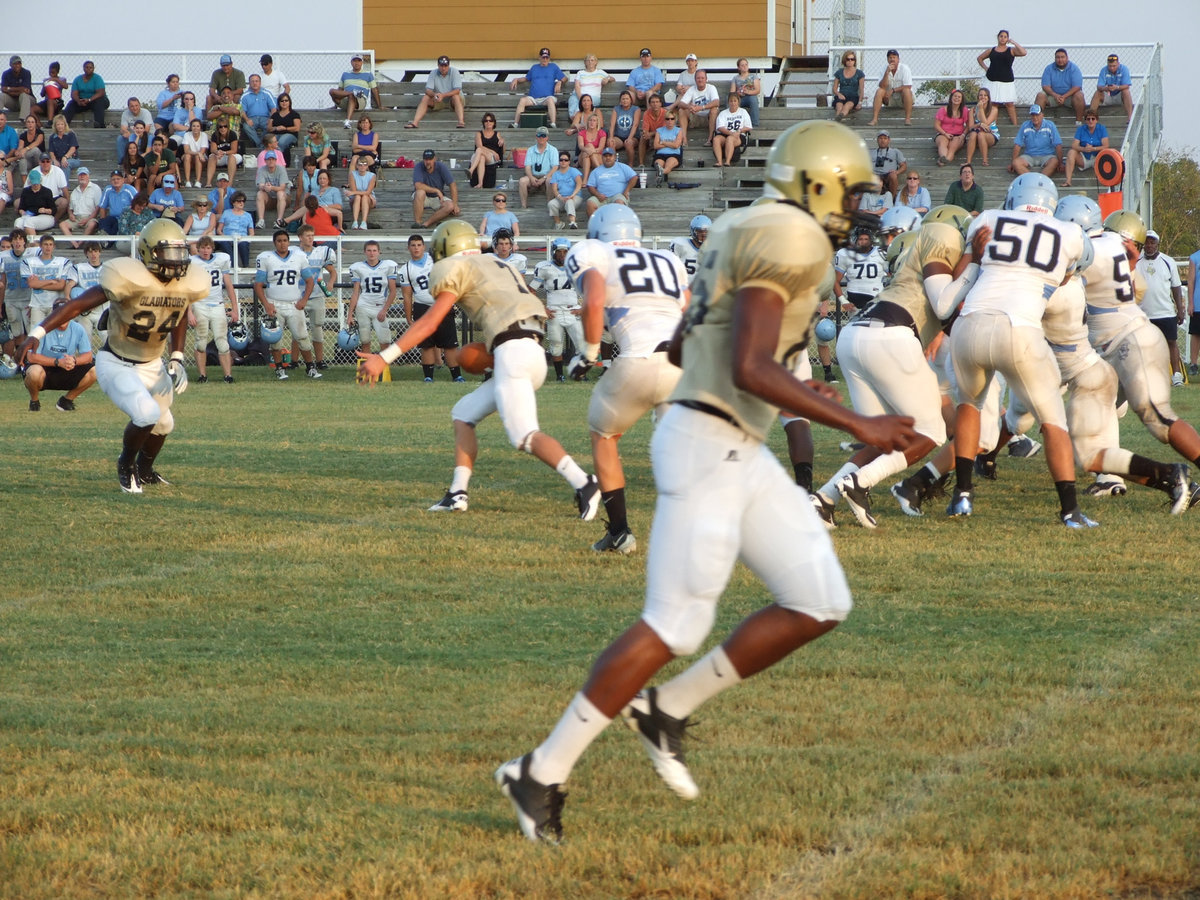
(50, 278)
(147, 299)
(15, 293)
(283, 284)
(87, 274)
(374, 293)
(323, 260)
(550, 278)
(414, 287)
(688, 248)
(208, 316)
(722, 496)
(1027, 255)
(502, 243)
(639, 296)
(860, 268)
(511, 320)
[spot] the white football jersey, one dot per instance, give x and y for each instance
(560, 292)
(217, 268)
(688, 253)
(33, 266)
(320, 256)
(284, 276)
(86, 275)
(864, 271)
(645, 292)
(374, 281)
(518, 261)
(1111, 304)
(415, 275)
(1025, 261)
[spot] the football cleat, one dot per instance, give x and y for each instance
(1180, 488)
(280, 373)
(229, 379)
(1193, 495)
(35, 405)
(908, 497)
(149, 476)
(1077, 520)
(985, 466)
(1177, 380)
(201, 379)
(128, 479)
(624, 542)
(538, 806)
(858, 498)
(455, 501)
(587, 498)
(824, 507)
(313, 373)
(962, 505)
(65, 404)
(662, 739)
(1023, 447)
(1106, 487)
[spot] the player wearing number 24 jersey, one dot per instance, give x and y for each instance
(148, 301)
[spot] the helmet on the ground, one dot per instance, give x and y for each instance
(452, 237)
(5, 332)
(823, 167)
(900, 219)
(616, 224)
(270, 330)
(348, 340)
(8, 366)
(1083, 211)
(698, 228)
(1128, 225)
(239, 336)
(163, 249)
(826, 331)
(1032, 192)
(954, 216)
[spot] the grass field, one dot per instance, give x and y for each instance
(281, 678)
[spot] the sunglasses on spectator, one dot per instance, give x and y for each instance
(914, 178)
(499, 199)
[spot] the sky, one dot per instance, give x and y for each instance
(1174, 23)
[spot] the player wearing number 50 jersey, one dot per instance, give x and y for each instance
(208, 316)
(283, 284)
(1027, 256)
(722, 495)
(510, 319)
(148, 299)
(639, 296)
(374, 292)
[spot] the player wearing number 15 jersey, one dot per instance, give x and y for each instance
(148, 300)
(511, 320)
(722, 495)
(374, 281)
(639, 296)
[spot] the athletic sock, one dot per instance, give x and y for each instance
(804, 475)
(700, 682)
(558, 368)
(964, 470)
(1066, 496)
(614, 508)
(570, 470)
(427, 370)
(829, 489)
(555, 757)
(461, 479)
(455, 372)
(882, 467)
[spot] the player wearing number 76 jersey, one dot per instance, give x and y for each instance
(148, 301)
(511, 320)
(639, 295)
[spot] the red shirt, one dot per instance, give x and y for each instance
(321, 222)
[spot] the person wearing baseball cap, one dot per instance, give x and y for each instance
(896, 79)
(167, 202)
(540, 160)
(225, 77)
(889, 163)
(1037, 146)
(17, 85)
(545, 81)
(433, 181)
(646, 79)
(274, 82)
(354, 89)
(443, 86)
(1114, 85)
(83, 210)
(687, 78)
(1162, 301)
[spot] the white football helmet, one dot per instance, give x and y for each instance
(698, 228)
(270, 330)
(1032, 192)
(616, 223)
(1083, 211)
(900, 219)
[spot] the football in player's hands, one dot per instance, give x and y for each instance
(474, 358)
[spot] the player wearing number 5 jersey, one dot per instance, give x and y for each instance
(1028, 254)
(510, 319)
(208, 316)
(147, 299)
(688, 248)
(414, 287)
(722, 495)
(283, 284)
(639, 296)
(374, 292)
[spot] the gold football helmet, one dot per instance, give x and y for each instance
(823, 167)
(1128, 225)
(897, 247)
(952, 215)
(453, 236)
(163, 249)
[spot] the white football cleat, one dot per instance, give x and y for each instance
(662, 738)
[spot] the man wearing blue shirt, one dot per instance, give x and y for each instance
(114, 201)
(1036, 146)
(258, 106)
(610, 182)
(16, 84)
(540, 160)
(62, 362)
(1062, 83)
(645, 80)
(545, 79)
(167, 201)
(1090, 138)
(1114, 85)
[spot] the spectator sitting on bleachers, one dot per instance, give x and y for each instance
(354, 89)
(133, 165)
(360, 189)
(966, 192)
(897, 79)
(55, 181)
(271, 147)
(489, 153)
(63, 144)
(366, 140)
(433, 180)
(16, 84)
(1090, 138)
(847, 87)
(913, 194)
(500, 216)
(330, 197)
(611, 183)
(653, 119)
(114, 201)
(30, 145)
(306, 180)
(668, 148)
(168, 102)
(236, 222)
(951, 125)
(590, 82)
(273, 80)
(565, 187)
(984, 131)
(700, 103)
(9, 141)
(83, 213)
(1062, 84)
(545, 79)
(1036, 146)
(318, 219)
(54, 87)
(687, 78)
(623, 126)
(732, 132)
(181, 123)
(229, 110)
(137, 216)
(159, 163)
(1114, 85)
(257, 106)
(273, 185)
(166, 201)
(195, 154)
(590, 143)
(223, 150)
(645, 80)
(88, 94)
(318, 145)
(201, 221)
(890, 163)
(442, 86)
(133, 112)
(579, 118)
(748, 87)
(35, 206)
(285, 126)
(225, 77)
(540, 160)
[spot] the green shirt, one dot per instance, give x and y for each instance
(971, 201)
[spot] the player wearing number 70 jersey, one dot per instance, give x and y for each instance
(639, 295)
(511, 320)
(148, 299)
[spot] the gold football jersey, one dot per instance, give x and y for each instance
(935, 242)
(775, 246)
(143, 310)
(491, 293)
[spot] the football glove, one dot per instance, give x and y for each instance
(178, 375)
(579, 366)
